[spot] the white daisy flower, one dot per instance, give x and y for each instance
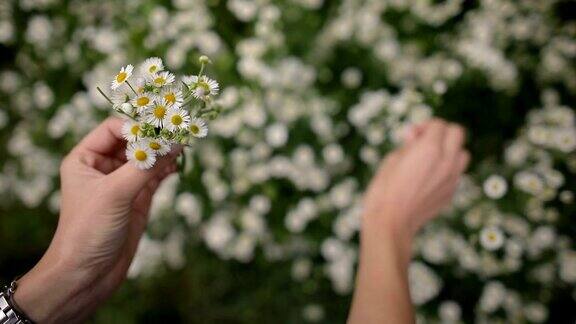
(158, 112)
(122, 76)
(142, 102)
(205, 88)
(162, 79)
(198, 127)
(176, 119)
(173, 96)
(140, 85)
(141, 155)
(131, 130)
(201, 88)
(495, 187)
(152, 65)
(491, 238)
(190, 80)
(159, 146)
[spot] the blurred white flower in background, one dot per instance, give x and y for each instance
(424, 283)
(491, 238)
(492, 297)
(450, 312)
(313, 313)
(495, 187)
(218, 233)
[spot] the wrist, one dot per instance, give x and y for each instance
(386, 232)
(51, 291)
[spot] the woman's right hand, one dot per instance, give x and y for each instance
(412, 185)
(417, 180)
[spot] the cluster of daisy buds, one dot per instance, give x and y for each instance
(160, 109)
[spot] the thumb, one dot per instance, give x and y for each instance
(127, 181)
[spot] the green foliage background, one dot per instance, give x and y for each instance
(211, 290)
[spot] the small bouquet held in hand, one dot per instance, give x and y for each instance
(161, 109)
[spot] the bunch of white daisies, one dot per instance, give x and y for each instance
(161, 109)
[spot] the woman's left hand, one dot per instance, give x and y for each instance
(104, 212)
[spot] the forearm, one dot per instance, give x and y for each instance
(382, 294)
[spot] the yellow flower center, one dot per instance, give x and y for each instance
(155, 146)
(140, 155)
(195, 129)
(121, 77)
(170, 97)
(204, 88)
(142, 101)
(152, 68)
(160, 81)
(491, 237)
(159, 112)
(135, 130)
(177, 120)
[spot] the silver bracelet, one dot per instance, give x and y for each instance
(9, 314)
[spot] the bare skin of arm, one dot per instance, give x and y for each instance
(411, 187)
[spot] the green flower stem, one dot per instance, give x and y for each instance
(125, 114)
(188, 100)
(201, 71)
(104, 95)
(182, 164)
(128, 83)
